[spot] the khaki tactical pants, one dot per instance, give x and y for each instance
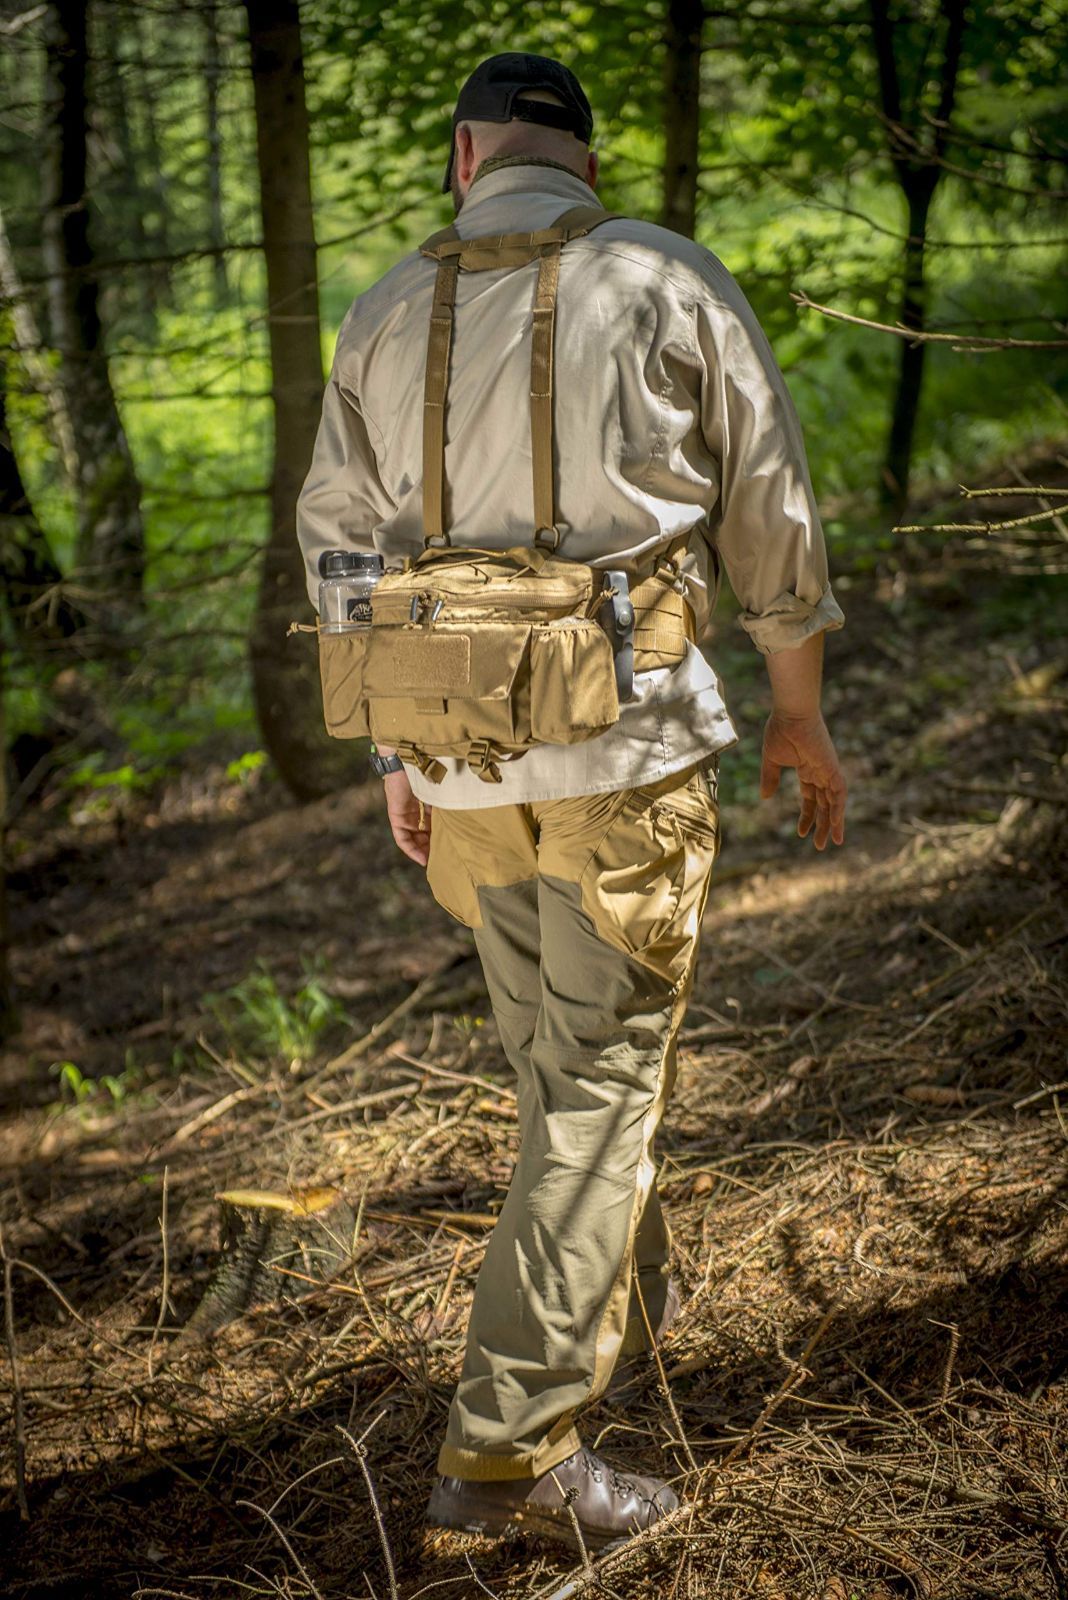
(587, 915)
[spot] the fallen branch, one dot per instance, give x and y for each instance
(16, 1386)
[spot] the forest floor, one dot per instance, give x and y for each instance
(865, 1165)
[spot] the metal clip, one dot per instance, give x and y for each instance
(616, 589)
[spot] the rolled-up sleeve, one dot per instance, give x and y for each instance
(343, 500)
(765, 526)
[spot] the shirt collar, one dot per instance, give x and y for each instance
(527, 179)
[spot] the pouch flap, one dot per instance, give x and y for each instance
(445, 662)
(419, 661)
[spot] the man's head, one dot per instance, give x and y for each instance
(519, 105)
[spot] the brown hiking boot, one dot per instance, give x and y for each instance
(635, 1339)
(608, 1505)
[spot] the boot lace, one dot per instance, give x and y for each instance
(620, 1485)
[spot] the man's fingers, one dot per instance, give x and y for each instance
(808, 810)
(770, 773)
(415, 844)
(838, 805)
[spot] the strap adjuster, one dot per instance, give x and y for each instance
(480, 759)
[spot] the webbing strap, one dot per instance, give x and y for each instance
(454, 255)
(541, 389)
(439, 344)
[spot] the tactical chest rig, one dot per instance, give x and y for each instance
(482, 654)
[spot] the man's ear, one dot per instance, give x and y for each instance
(593, 167)
(464, 159)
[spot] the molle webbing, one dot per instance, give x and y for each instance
(455, 255)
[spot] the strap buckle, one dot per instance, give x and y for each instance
(547, 539)
(480, 759)
(432, 769)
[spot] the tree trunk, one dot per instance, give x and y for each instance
(911, 359)
(916, 151)
(111, 545)
(682, 114)
(212, 78)
(126, 192)
(32, 581)
(285, 676)
(9, 1017)
(27, 341)
(157, 214)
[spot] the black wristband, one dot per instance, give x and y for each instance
(381, 765)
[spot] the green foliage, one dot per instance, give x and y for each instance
(245, 767)
(259, 1020)
(797, 192)
(109, 1092)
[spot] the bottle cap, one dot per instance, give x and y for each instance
(348, 563)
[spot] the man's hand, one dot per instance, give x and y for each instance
(803, 742)
(409, 820)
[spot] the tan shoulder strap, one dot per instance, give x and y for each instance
(454, 255)
(435, 389)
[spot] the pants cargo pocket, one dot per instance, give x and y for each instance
(447, 875)
(645, 885)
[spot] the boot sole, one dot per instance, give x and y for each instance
(493, 1523)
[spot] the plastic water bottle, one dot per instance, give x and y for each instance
(348, 581)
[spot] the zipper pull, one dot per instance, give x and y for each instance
(439, 607)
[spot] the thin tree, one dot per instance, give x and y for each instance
(111, 541)
(682, 114)
(31, 583)
(917, 144)
(9, 1016)
(124, 187)
(284, 677)
(154, 181)
(29, 577)
(213, 70)
(27, 341)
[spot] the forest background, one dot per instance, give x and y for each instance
(189, 209)
(191, 194)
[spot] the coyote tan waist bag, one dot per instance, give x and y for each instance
(482, 654)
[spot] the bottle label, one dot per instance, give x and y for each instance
(359, 611)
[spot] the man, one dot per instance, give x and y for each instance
(584, 869)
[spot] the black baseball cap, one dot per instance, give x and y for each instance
(490, 95)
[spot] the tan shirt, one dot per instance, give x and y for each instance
(670, 414)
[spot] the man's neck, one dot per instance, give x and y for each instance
(495, 163)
